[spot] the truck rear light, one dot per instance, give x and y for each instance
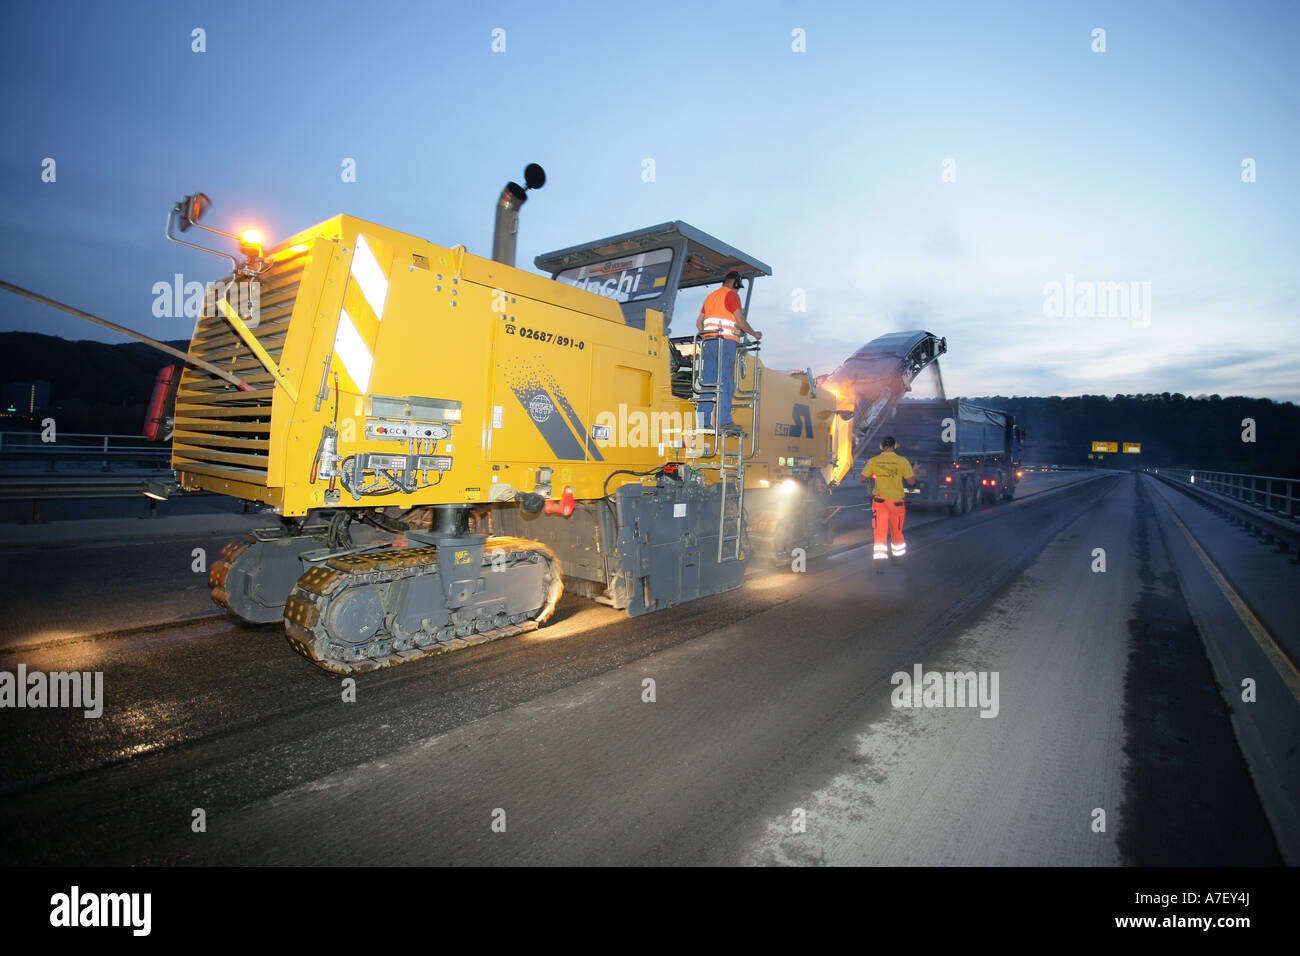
(1020, 474)
(948, 479)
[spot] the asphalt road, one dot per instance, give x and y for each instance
(771, 736)
(136, 572)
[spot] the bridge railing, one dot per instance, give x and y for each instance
(1279, 496)
(77, 451)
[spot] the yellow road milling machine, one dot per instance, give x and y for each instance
(449, 441)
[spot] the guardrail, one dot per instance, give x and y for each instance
(1274, 495)
(47, 489)
(1238, 500)
(109, 450)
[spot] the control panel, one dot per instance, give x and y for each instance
(378, 429)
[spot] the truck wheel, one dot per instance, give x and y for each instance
(967, 496)
(1009, 491)
(954, 506)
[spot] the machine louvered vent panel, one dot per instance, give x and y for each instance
(220, 430)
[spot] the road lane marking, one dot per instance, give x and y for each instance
(1283, 664)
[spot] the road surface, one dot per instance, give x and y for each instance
(757, 726)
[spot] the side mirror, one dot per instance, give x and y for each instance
(193, 208)
(188, 211)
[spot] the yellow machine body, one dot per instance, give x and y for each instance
(473, 381)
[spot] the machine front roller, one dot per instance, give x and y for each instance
(360, 612)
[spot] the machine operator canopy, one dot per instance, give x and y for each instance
(646, 268)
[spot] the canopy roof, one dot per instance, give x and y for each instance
(707, 261)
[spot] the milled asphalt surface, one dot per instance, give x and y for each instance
(767, 700)
(63, 579)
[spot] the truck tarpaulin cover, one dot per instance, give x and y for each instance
(980, 431)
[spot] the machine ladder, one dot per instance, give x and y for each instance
(731, 473)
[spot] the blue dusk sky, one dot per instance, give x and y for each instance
(899, 165)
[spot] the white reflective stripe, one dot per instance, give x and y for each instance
(370, 277)
(719, 322)
(880, 556)
(878, 547)
(899, 550)
(352, 352)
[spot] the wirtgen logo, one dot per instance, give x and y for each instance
(946, 689)
(102, 909)
(540, 407)
(77, 689)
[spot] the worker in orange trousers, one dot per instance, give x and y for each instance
(888, 509)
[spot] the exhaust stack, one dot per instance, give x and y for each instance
(513, 196)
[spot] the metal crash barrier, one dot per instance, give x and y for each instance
(1267, 505)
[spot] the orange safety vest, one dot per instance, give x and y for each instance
(718, 320)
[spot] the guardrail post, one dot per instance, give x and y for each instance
(153, 506)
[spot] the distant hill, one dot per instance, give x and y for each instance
(97, 387)
(94, 386)
(1173, 429)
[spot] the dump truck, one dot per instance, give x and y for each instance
(964, 455)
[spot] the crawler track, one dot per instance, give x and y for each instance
(307, 612)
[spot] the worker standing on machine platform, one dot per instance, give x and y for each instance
(721, 322)
(890, 470)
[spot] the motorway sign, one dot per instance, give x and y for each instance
(1132, 448)
(1110, 446)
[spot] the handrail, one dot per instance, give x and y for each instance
(740, 397)
(1273, 525)
(1270, 493)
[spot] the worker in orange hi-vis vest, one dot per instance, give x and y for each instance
(890, 470)
(721, 322)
